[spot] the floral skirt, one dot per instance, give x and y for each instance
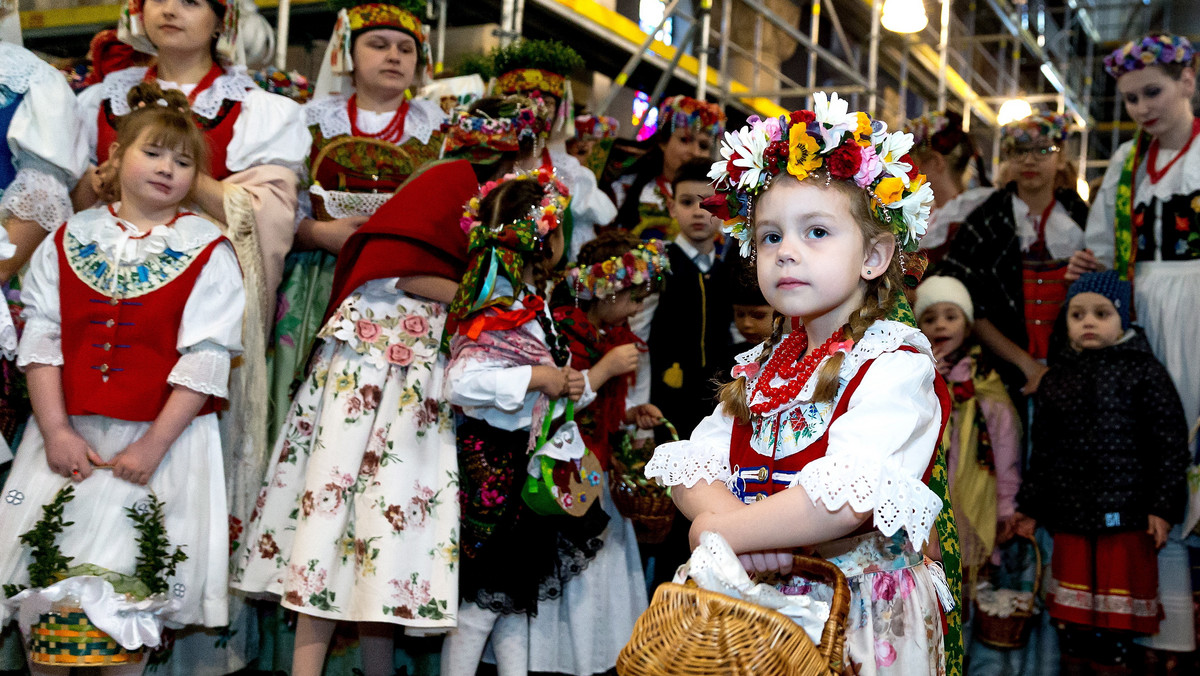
(357, 518)
(894, 627)
(513, 557)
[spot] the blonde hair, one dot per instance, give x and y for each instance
(878, 302)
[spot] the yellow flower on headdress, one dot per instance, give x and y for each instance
(862, 134)
(802, 155)
(609, 267)
(889, 189)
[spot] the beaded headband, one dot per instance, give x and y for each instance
(1039, 129)
(847, 146)
(685, 112)
(647, 264)
(1152, 50)
(542, 219)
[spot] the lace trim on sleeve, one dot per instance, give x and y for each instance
(898, 501)
(41, 343)
(36, 196)
(687, 462)
(8, 336)
(205, 371)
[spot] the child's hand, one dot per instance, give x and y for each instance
(549, 380)
(1004, 530)
(1082, 262)
(1033, 376)
(575, 384)
(1158, 530)
(69, 455)
(779, 560)
(645, 416)
(137, 463)
(1023, 525)
(619, 360)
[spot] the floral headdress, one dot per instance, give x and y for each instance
(354, 18)
(131, 29)
(1153, 50)
(483, 138)
(938, 131)
(501, 250)
(596, 127)
(648, 264)
(291, 84)
(848, 146)
(1039, 129)
(538, 67)
(685, 112)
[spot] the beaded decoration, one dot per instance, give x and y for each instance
(648, 264)
(847, 146)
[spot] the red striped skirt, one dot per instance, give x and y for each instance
(1108, 581)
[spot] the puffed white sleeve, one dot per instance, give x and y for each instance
(210, 333)
(1100, 233)
(705, 455)
(87, 110)
(41, 342)
(269, 130)
(477, 383)
(49, 156)
(881, 446)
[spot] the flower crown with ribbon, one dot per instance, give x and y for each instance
(543, 218)
(685, 112)
(353, 19)
(1159, 49)
(647, 264)
(848, 146)
(538, 67)
(131, 29)
(1037, 130)
(484, 137)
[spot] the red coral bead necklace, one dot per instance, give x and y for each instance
(786, 364)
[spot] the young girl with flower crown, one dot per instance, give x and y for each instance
(826, 439)
(509, 359)
(133, 312)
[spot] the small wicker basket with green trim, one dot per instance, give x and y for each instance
(642, 501)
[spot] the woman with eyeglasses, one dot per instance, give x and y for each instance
(1012, 251)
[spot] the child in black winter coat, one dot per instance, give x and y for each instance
(1107, 474)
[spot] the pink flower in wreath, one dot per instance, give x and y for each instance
(885, 654)
(400, 355)
(367, 330)
(415, 325)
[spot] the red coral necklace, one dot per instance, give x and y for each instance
(786, 364)
(393, 132)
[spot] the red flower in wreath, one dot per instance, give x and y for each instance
(844, 162)
(803, 117)
(717, 205)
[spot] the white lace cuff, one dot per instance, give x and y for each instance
(8, 335)
(866, 484)
(36, 196)
(687, 462)
(41, 343)
(203, 370)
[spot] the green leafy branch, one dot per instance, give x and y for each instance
(156, 562)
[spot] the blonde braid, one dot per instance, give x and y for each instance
(879, 302)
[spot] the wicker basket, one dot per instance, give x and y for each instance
(66, 637)
(688, 631)
(647, 505)
(1012, 631)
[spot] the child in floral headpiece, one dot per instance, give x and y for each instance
(687, 130)
(1012, 251)
(508, 359)
(1145, 219)
(827, 437)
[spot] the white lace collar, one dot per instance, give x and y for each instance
(20, 66)
(109, 233)
(329, 113)
(232, 85)
(883, 336)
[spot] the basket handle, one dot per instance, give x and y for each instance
(833, 637)
(1037, 564)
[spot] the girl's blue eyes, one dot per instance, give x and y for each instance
(772, 238)
(818, 233)
(812, 233)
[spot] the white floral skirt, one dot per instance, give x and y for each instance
(189, 482)
(358, 515)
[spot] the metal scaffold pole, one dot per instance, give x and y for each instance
(705, 30)
(873, 59)
(814, 29)
(633, 61)
(943, 55)
(281, 33)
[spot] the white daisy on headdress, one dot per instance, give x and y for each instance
(915, 208)
(834, 119)
(894, 147)
(743, 153)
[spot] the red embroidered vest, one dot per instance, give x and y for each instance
(758, 476)
(118, 352)
(217, 131)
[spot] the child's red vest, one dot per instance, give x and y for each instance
(118, 352)
(757, 476)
